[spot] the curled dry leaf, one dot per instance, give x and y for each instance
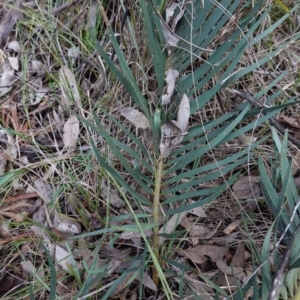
(247, 187)
(171, 133)
(6, 77)
(170, 137)
(183, 114)
(14, 45)
(170, 38)
(70, 93)
(137, 118)
(64, 224)
(71, 133)
(170, 80)
(200, 253)
(170, 14)
(43, 189)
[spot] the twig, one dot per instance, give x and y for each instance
(272, 120)
(277, 244)
(280, 273)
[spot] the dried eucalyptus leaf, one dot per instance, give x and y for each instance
(170, 38)
(171, 136)
(170, 80)
(247, 187)
(70, 93)
(137, 118)
(6, 78)
(183, 113)
(71, 133)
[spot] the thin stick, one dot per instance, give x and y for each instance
(272, 120)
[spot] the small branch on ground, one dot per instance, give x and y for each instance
(258, 104)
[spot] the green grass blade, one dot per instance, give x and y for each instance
(117, 176)
(126, 78)
(158, 56)
(217, 191)
(53, 282)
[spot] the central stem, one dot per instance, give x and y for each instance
(156, 202)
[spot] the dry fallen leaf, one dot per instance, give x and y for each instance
(247, 187)
(147, 281)
(64, 258)
(14, 62)
(111, 196)
(71, 133)
(40, 216)
(70, 93)
(238, 259)
(172, 19)
(73, 53)
(14, 45)
(170, 137)
(232, 226)
(170, 80)
(171, 134)
(198, 287)
(170, 38)
(64, 224)
(43, 189)
(171, 224)
(40, 232)
(37, 91)
(183, 114)
(200, 253)
(28, 267)
(229, 270)
(6, 77)
(137, 118)
(36, 67)
(170, 14)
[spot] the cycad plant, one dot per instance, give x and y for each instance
(192, 60)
